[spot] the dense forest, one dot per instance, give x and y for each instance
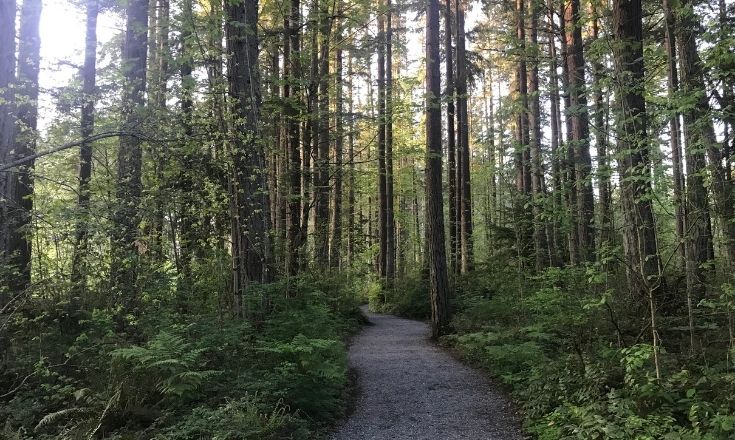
(190, 222)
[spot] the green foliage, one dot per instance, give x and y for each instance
(280, 374)
(409, 297)
(548, 337)
(309, 374)
(245, 419)
(168, 361)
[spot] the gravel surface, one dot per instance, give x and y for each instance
(411, 389)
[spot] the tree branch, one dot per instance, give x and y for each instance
(96, 137)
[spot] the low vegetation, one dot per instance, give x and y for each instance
(184, 375)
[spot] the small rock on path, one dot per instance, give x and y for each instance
(411, 389)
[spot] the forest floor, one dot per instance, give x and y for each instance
(408, 388)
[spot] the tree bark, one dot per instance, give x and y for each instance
(390, 264)
(567, 147)
(463, 147)
(540, 247)
(601, 141)
(524, 231)
(451, 140)
(639, 234)
(321, 193)
(89, 77)
(7, 136)
(382, 172)
(556, 160)
(335, 247)
(26, 107)
(126, 216)
(292, 99)
(436, 252)
(579, 134)
(250, 217)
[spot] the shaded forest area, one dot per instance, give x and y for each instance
(186, 239)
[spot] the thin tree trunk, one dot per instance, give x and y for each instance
(451, 139)
(292, 98)
(534, 121)
(675, 131)
(351, 201)
(89, 77)
(570, 173)
(321, 193)
(436, 251)
(463, 147)
(522, 166)
(382, 181)
(555, 121)
(603, 166)
(335, 247)
(390, 264)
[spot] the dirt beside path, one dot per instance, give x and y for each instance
(411, 389)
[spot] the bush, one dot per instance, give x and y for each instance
(409, 298)
(280, 374)
(558, 339)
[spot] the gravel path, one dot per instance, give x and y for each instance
(410, 389)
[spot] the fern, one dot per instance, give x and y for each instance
(170, 361)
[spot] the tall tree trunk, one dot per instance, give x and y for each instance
(7, 136)
(190, 187)
(21, 197)
(296, 236)
(556, 160)
(639, 234)
(490, 123)
(251, 245)
(579, 135)
(382, 177)
(335, 247)
(351, 200)
(603, 166)
(675, 130)
(570, 173)
(699, 136)
(390, 264)
(522, 155)
(436, 252)
(89, 78)
(463, 147)
(451, 140)
(126, 217)
(321, 193)
(310, 134)
(534, 121)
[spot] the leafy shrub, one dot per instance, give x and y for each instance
(558, 339)
(309, 374)
(409, 298)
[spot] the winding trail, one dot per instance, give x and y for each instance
(411, 389)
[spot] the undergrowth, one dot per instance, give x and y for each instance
(279, 375)
(575, 353)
